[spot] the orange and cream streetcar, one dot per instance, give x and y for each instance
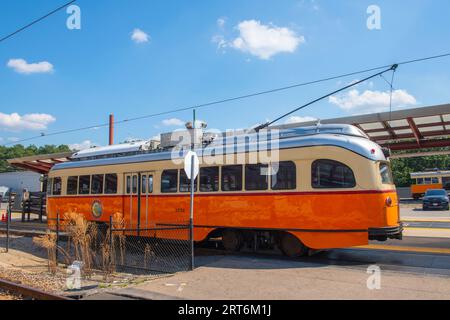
(431, 179)
(329, 187)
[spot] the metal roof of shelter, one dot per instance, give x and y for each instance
(40, 163)
(407, 129)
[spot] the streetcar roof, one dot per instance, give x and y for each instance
(343, 136)
(430, 174)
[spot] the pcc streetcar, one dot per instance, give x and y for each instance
(329, 187)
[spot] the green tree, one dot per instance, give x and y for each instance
(402, 168)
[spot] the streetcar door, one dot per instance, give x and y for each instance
(131, 199)
(146, 187)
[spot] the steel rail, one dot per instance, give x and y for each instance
(29, 292)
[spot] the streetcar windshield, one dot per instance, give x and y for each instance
(386, 174)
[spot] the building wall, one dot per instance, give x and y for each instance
(404, 192)
(21, 180)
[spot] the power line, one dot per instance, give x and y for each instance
(36, 21)
(393, 68)
(232, 99)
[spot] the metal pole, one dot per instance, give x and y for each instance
(191, 216)
(57, 235)
(111, 233)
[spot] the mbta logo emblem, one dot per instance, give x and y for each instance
(97, 209)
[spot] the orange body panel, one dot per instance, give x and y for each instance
(422, 188)
(321, 220)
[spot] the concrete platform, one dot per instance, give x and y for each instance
(239, 277)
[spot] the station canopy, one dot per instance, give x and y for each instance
(40, 163)
(407, 129)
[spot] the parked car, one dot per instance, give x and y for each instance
(436, 199)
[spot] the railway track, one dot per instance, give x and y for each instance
(28, 292)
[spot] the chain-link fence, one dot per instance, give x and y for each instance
(117, 246)
(161, 249)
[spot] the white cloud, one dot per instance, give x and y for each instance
(265, 41)
(372, 101)
(173, 122)
(220, 40)
(139, 36)
(32, 121)
(221, 22)
(22, 66)
(297, 119)
(86, 144)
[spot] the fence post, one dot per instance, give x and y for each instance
(41, 209)
(23, 209)
(111, 241)
(110, 231)
(57, 235)
(29, 209)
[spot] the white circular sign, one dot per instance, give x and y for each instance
(188, 164)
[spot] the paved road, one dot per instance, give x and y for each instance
(252, 277)
(412, 212)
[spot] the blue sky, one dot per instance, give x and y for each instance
(53, 78)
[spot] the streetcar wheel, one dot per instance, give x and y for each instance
(232, 240)
(291, 246)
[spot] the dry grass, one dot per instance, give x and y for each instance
(83, 235)
(85, 244)
(119, 223)
(48, 241)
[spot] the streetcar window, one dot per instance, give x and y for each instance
(111, 183)
(331, 174)
(97, 184)
(84, 184)
(427, 180)
(150, 184)
(209, 179)
(231, 178)
(56, 186)
(256, 177)
(128, 184)
(72, 185)
(185, 183)
(135, 183)
(435, 180)
(386, 175)
(284, 176)
(169, 179)
(144, 184)
(419, 180)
